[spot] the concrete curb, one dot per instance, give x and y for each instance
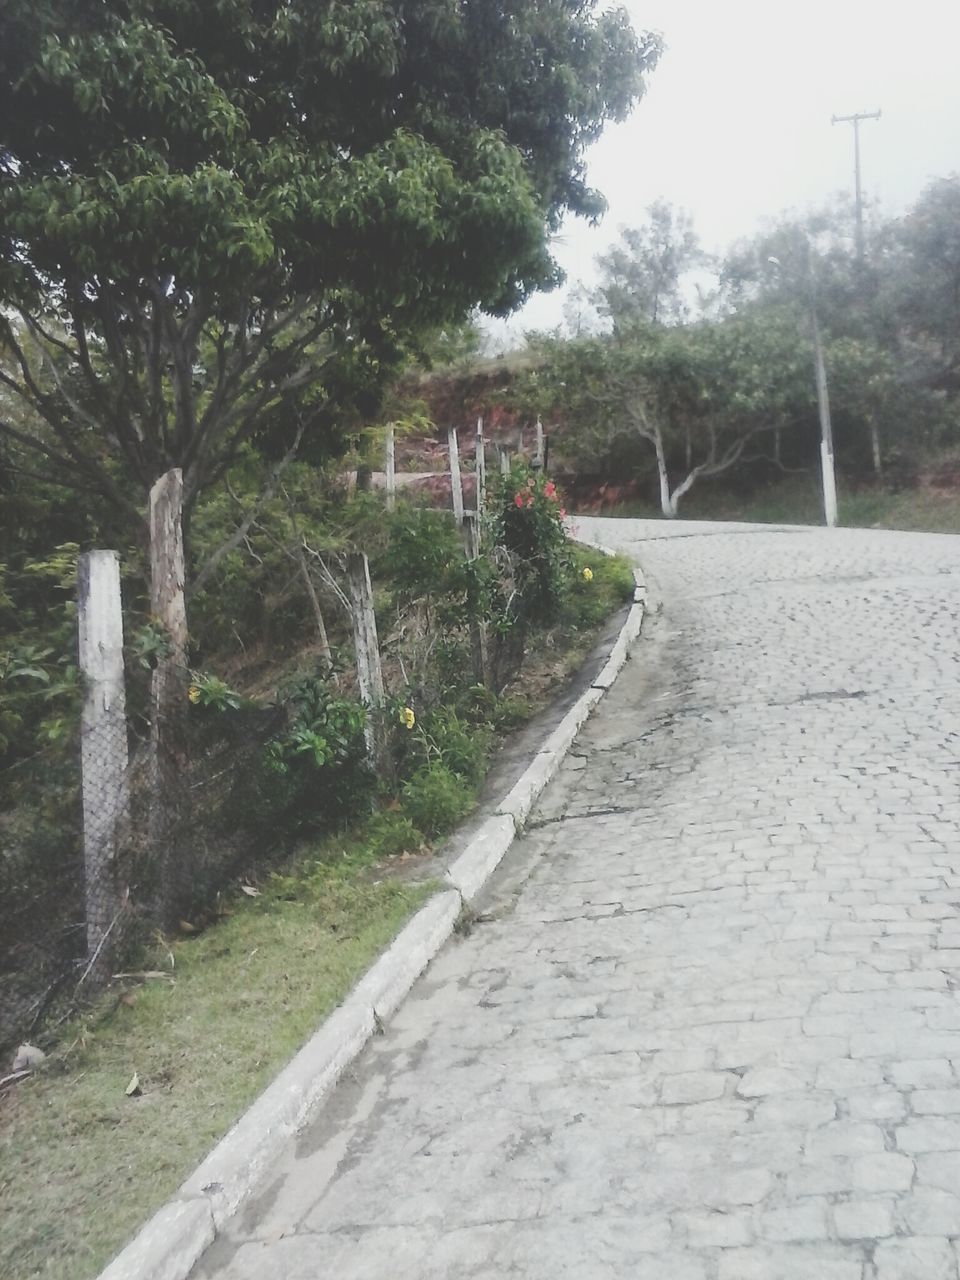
(174, 1239)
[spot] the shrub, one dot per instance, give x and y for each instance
(588, 599)
(424, 556)
(528, 523)
(391, 833)
(316, 768)
(436, 798)
(462, 748)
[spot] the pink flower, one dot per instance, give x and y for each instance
(518, 500)
(530, 501)
(549, 489)
(562, 513)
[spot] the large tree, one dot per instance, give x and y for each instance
(208, 207)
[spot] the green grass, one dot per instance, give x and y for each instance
(799, 501)
(83, 1164)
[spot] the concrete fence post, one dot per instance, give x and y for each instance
(103, 743)
(456, 481)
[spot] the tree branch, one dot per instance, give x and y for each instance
(238, 535)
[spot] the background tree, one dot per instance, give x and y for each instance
(697, 394)
(643, 278)
(919, 285)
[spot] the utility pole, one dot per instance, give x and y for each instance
(855, 121)
(828, 475)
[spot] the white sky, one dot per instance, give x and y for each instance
(736, 127)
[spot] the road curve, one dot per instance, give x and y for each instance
(708, 1028)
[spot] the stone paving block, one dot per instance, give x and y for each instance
(693, 1086)
(932, 1074)
(918, 1258)
(928, 1211)
(714, 1230)
(806, 1220)
(864, 1219)
(792, 1262)
(884, 1171)
(928, 1134)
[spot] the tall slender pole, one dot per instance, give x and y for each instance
(828, 468)
(826, 428)
(855, 121)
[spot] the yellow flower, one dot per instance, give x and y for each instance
(588, 574)
(193, 693)
(407, 718)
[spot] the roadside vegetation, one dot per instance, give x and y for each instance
(227, 233)
(138, 1087)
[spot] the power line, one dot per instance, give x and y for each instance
(855, 121)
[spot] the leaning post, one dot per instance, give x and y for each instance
(456, 481)
(367, 648)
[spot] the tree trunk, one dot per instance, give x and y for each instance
(666, 504)
(538, 455)
(875, 449)
(681, 491)
(364, 477)
(314, 599)
(168, 693)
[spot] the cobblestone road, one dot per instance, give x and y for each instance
(711, 1031)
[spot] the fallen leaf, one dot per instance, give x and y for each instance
(187, 927)
(27, 1057)
(250, 891)
(133, 1089)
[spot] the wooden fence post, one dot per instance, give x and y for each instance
(471, 536)
(103, 743)
(456, 482)
(367, 647)
(478, 628)
(538, 458)
(504, 462)
(391, 468)
(168, 693)
(481, 467)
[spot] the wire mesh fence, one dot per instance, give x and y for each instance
(92, 864)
